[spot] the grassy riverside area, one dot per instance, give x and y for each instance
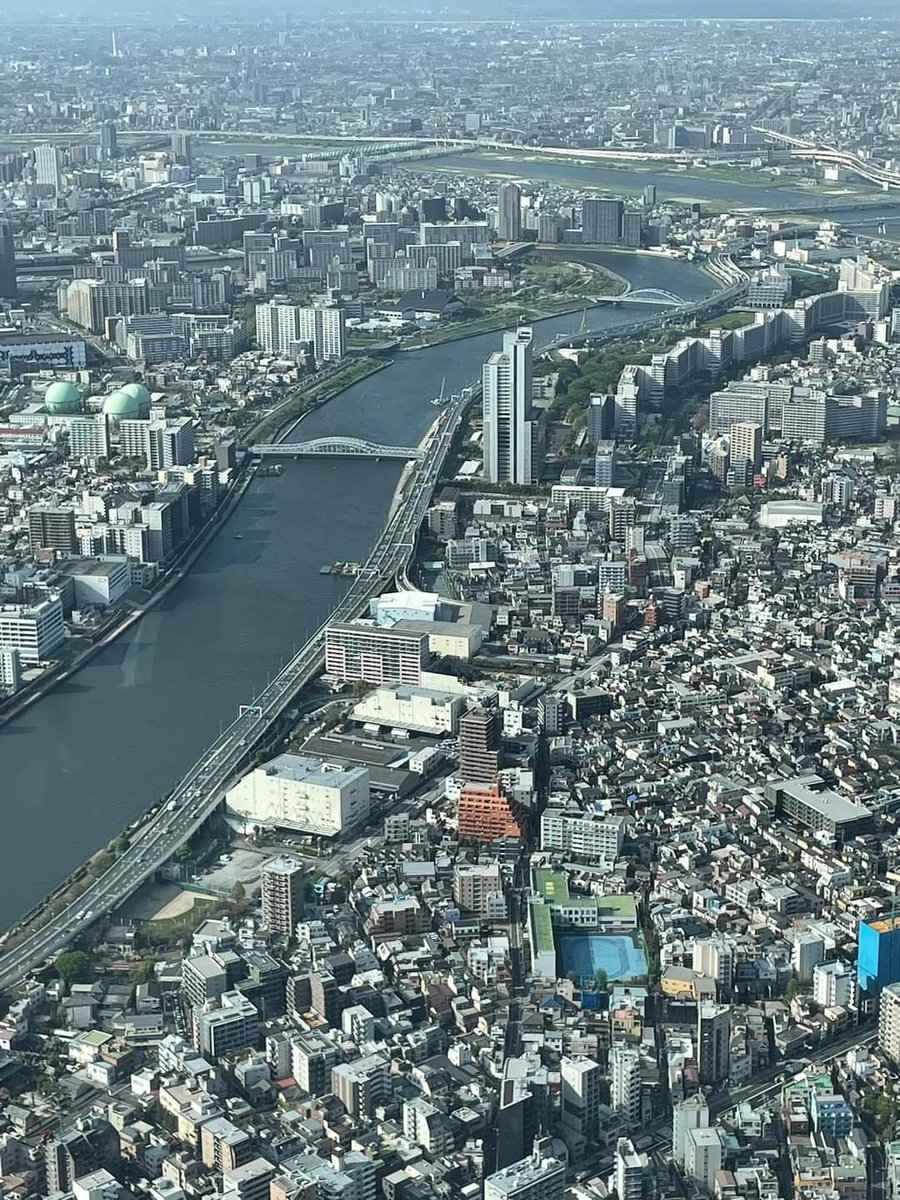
(544, 287)
(305, 397)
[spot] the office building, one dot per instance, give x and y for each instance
(632, 1172)
(52, 527)
(35, 630)
(9, 288)
(889, 1021)
(587, 835)
(746, 441)
(581, 1095)
(363, 1084)
(703, 1155)
(509, 212)
(525, 1111)
(480, 746)
(691, 1113)
(713, 1042)
(533, 1178)
(282, 883)
(605, 464)
(231, 1026)
(295, 791)
(511, 435)
(625, 1081)
(48, 166)
(831, 1115)
(601, 220)
(878, 957)
(360, 651)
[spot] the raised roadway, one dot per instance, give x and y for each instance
(201, 790)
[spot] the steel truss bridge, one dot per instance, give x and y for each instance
(334, 447)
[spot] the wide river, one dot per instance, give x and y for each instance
(92, 754)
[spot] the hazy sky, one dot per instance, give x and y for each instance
(212, 11)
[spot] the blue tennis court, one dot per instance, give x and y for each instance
(621, 958)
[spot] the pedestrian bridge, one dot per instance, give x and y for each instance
(335, 447)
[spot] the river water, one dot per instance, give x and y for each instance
(691, 186)
(92, 754)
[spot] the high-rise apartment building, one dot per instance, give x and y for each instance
(625, 1085)
(9, 288)
(232, 1026)
(692, 1113)
(362, 1084)
(480, 746)
(601, 220)
(632, 1171)
(48, 166)
(109, 141)
(511, 435)
(485, 812)
(509, 212)
(282, 885)
(714, 958)
(703, 1155)
(746, 444)
(323, 329)
(889, 1021)
(52, 527)
(580, 1095)
(713, 1042)
(475, 884)
(357, 651)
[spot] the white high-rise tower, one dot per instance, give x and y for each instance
(511, 441)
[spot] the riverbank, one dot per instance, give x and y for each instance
(289, 411)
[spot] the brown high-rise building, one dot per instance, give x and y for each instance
(480, 746)
(485, 813)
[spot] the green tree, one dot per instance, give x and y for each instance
(792, 990)
(142, 972)
(75, 966)
(600, 978)
(238, 892)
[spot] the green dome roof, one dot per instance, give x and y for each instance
(121, 404)
(63, 397)
(140, 393)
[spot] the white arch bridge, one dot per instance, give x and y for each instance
(645, 296)
(334, 447)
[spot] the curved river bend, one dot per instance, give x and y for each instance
(92, 754)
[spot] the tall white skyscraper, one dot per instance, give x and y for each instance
(692, 1113)
(48, 165)
(511, 437)
(509, 212)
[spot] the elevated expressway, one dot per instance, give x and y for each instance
(200, 792)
